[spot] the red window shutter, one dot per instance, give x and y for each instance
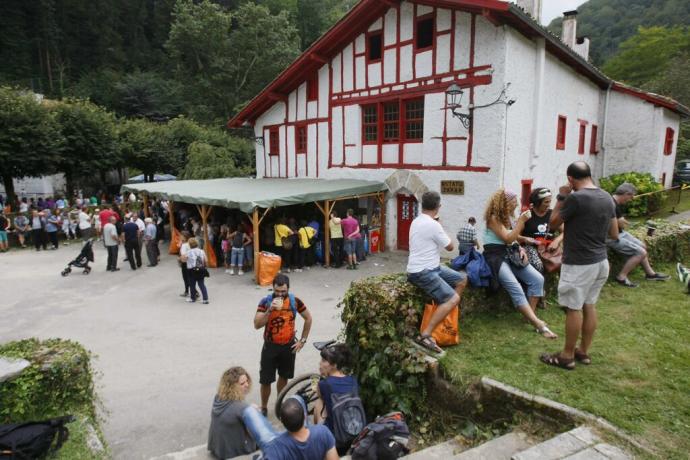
(274, 138)
(581, 142)
(526, 192)
(593, 141)
(560, 133)
(313, 87)
(668, 143)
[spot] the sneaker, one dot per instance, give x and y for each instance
(626, 282)
(240, 272)
(228, 271)
(184, 294)
(287, 270)
(205, 302)
(299, 270)
(683, 273)
(657, 277)
(190, 300)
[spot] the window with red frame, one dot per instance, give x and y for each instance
(668, 142)
(370, 124)
(560, 133)
(375, 46)
(313, 87)
(391, 121)
(424, 31)
(301, 139)
(526, 192)
(581, 141)
(593, 149)
(414, 119)
(274, 142)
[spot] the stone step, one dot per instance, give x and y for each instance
(443, 450)
(578, 444)
(501, 448)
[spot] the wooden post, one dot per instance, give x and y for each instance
(257, 250)
(327, 233)
(171, 210)
(382, 237)
(205, 212)
(146, 205)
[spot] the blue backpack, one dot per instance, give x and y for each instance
(266, 302)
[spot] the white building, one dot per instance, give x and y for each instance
(368, 100)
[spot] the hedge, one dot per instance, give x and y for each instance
(382, 312)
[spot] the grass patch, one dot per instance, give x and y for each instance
(639, 380)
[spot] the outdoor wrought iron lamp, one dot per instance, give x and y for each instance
(453, 103)
(454, 98)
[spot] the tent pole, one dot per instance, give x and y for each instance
(327, 234)
(382, 236)
(255, 226)
(205, 211)
(146, 205)
(171, 211)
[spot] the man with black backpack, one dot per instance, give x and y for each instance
(277, 314)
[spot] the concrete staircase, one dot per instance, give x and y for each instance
(578, 444)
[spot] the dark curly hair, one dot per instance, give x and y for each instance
(338, 355)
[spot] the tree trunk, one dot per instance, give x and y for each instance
(9, 191)
(69, 185)
(121, 175)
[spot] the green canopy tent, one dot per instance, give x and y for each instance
(251, 195)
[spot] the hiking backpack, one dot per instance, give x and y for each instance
(347, 414)
(33, 440)
(386, 438)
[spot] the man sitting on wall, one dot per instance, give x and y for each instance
(629, 246)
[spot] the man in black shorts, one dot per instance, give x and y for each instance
(277, 313)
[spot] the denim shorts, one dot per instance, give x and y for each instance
(626, 245)
(438, 282)
(3, 237)
(350, 246)
(512, 279)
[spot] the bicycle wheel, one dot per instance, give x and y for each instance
(303, 385)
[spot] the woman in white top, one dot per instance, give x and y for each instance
(184, 249)
(196, 270)
(85, 224)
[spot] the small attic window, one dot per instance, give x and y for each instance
(374, 46)
(424, 33)
(313, 87)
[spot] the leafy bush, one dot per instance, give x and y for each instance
(645, 183)
(58, 382)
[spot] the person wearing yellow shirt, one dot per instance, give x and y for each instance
(336, 240)
(283, 232)
(306, 254)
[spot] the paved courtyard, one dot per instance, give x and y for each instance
(159, 358)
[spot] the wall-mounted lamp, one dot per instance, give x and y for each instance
(259, 140)
(454, 95)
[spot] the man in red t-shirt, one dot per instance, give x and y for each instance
(277, 313)
(104, 216)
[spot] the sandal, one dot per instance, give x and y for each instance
(428, 342)
(583, 358)
(555, 359)
(545, 330)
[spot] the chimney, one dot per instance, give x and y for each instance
(531, 7)
(569, 34)
(582, 47)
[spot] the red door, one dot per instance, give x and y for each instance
(407, 211)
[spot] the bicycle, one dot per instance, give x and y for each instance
(304, 385)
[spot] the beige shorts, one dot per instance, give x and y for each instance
(581, 284)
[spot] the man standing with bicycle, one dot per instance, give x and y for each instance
(277, 314)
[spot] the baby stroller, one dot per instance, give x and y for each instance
(82, 260)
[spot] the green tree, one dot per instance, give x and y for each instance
(30, 141)
(223, 66)
(206, 161)
(145, 145)
(90, 142)
(647, 54)
(149, 95)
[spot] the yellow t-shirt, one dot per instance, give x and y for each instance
(281, 231)
(305, 233)
(336, 228)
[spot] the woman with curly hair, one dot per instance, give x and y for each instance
(228, 437)
(500, 233)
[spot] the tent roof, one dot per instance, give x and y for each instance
(246, 194)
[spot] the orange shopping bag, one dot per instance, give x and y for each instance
(448, 331)
(269, 266)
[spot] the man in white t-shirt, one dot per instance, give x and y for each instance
(424, 268)
(112, 242)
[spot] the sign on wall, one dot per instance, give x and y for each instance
(453, 187)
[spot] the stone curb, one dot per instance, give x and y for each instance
(515, 393)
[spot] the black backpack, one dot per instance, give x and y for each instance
(348, 416)
(386, 438)
(32, 440)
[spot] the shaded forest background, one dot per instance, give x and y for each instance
(149, 84)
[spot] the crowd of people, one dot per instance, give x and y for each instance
(517, 253)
